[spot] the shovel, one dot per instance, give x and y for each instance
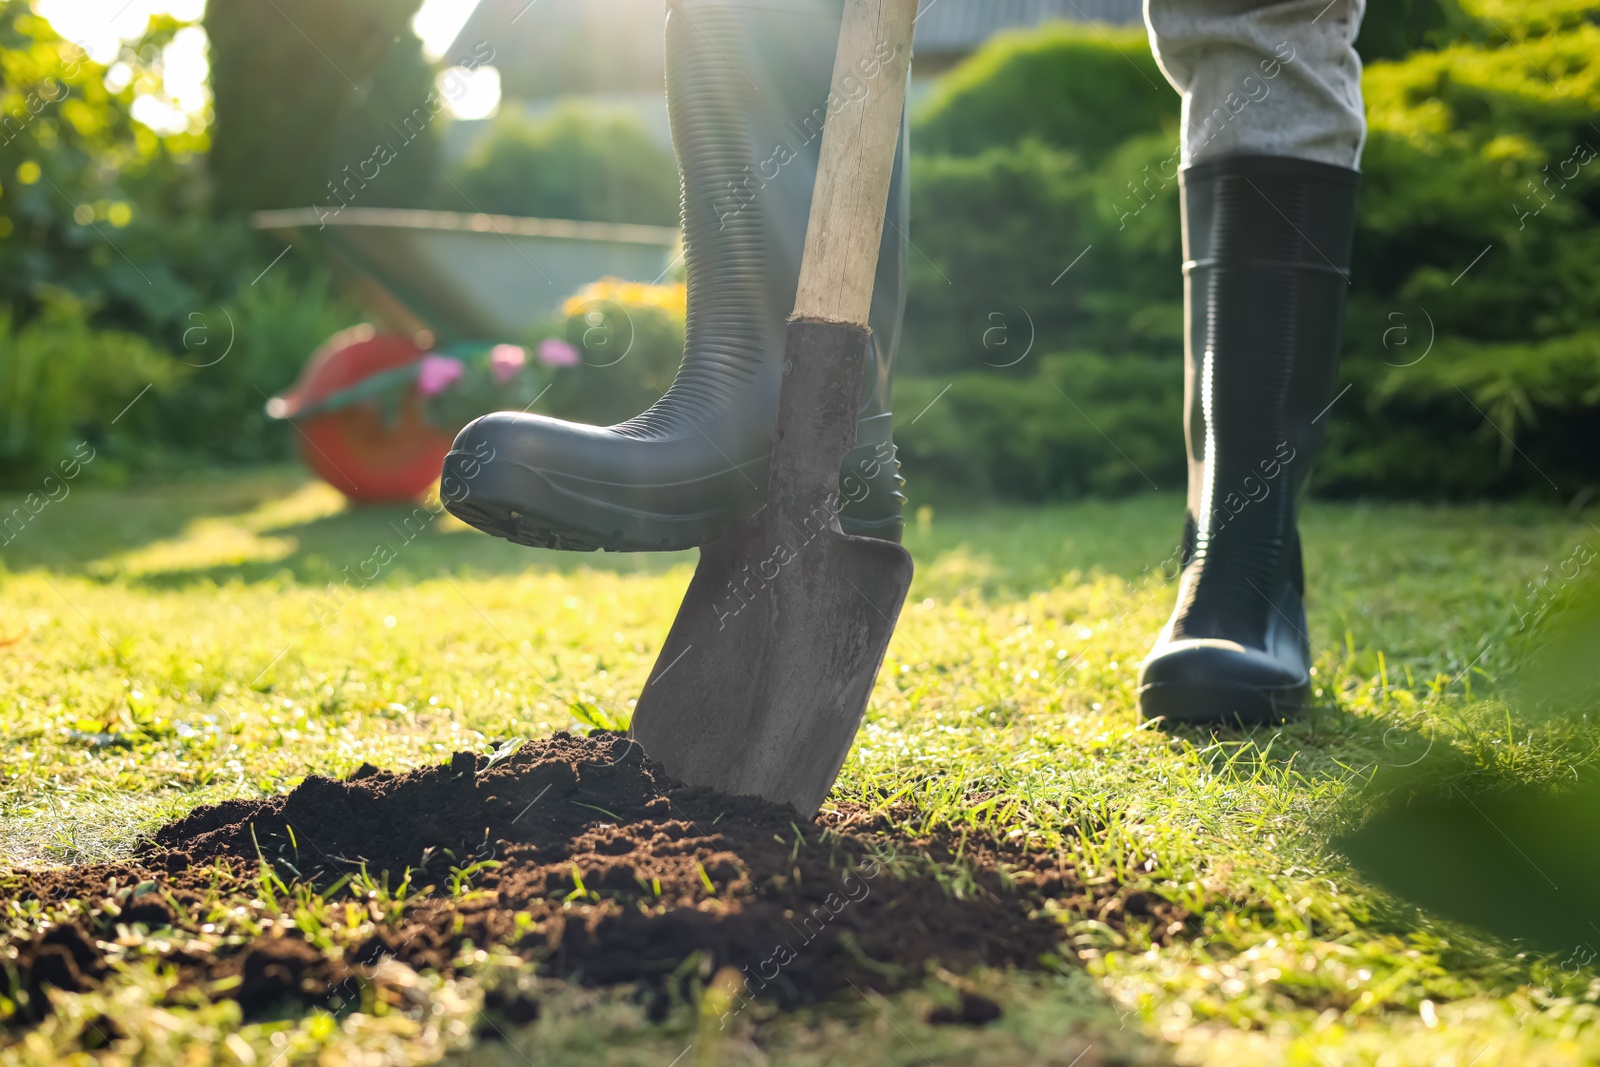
(764, 677)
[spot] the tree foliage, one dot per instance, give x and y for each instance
(93, 202)
(128, 317)
(303, 88)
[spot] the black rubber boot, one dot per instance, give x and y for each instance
(1267, 247)
(747, 91)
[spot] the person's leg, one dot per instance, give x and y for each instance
(1263, 77)
(748, 93)
(1272, 136)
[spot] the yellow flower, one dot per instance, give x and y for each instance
(673, 299)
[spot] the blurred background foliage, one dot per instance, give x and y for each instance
(92, 201)
(1045, 150)
(578, 162)
(1481, 142)
(58, 371)
(125, 261)
(288, 120)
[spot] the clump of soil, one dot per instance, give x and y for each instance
(581, 855)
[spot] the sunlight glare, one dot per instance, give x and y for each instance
(470, 94)
(438, 22)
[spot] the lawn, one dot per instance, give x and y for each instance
(163, 648)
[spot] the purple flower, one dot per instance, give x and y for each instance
(435, 374)
(554, 352)
(506, 362)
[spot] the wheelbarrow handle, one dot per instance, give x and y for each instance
(865, 107)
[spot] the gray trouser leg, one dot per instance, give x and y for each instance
(1263, 77)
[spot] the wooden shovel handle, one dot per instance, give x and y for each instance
(859, 139)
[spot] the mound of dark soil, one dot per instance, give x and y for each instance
(582, 856)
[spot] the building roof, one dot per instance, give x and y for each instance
(548, 47)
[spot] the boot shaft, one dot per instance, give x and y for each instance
(1267, 248)
(748, 97)
(748, 87)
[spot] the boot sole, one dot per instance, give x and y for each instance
(494, 502)
(1190, 703)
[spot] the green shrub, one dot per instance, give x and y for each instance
(987, 228)
(579, 162)
(1463, 141)
(1477, 234)
(1047, 434)
(996, 233)
(1082, 88)
(241, 352)
(1394, 29)
(63, 381)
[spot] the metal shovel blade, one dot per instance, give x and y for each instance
(764, 677)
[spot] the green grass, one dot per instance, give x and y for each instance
(161, 648)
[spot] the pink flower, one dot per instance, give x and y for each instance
(554, 352)
(435, 374)
(506, 362)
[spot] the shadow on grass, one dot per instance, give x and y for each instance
(94, 522)
(221, 528)
(399, 545)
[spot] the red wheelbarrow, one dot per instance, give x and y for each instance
(443, 287)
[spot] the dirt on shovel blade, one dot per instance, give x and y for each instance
(579, 855)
